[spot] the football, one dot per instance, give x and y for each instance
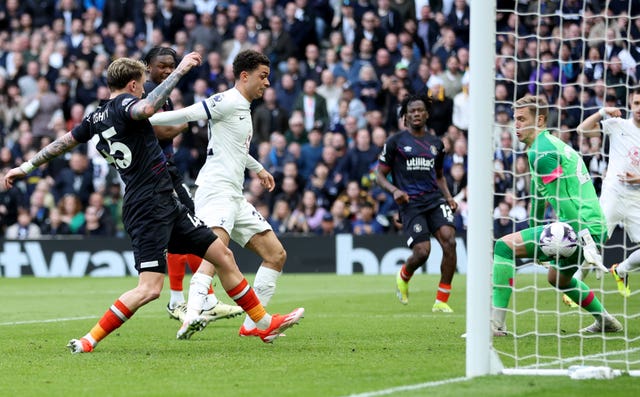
(558, 239)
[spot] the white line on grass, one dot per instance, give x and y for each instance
(392, 390)
(53, 320)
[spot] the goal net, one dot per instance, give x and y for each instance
(581, 56)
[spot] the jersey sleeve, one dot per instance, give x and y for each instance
(388, 152)
(219, 106)
(611, 126)
(439, 164)
(197, 111)
(82, 131)
(548, 167)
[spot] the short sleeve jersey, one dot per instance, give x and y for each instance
(413, 162)
(561, 177)
(624, 148)
(130, 146)
(230, 132)
(165, 144)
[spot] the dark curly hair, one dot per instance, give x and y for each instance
(248, 61)
(413, 98)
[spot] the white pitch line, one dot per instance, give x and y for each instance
(392, 390)
(53, 320)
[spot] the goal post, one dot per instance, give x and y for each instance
(479, 358)
(544, 337)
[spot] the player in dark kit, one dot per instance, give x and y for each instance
(161, 62)
(414, 159)
(152, 216)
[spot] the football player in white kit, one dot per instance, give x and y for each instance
(620, 198)
(219, 200)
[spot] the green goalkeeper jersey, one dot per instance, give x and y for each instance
(560, 177)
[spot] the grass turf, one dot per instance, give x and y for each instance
(356, 338)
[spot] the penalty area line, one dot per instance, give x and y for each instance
(418, 386)
(53, 320)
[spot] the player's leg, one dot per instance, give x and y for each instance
(416, 227)
(219, 258)
(521, 244)
(148, 289)
(149, 239)
(270, 249)
(580, 293)
(176, 271)
(446, 236)
(268, 327)
(631, 222)
(440, 219)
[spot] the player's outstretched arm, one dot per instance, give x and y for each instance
(194, 112)
(147, 107)
(49, 152)
(589, 127)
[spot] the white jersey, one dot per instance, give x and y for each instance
(230, 132)
(624, 150)
(621, 201)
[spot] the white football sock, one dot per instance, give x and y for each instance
(198, 288)
(631, 263)
(210, 301)
(177, 297)
(264, 285)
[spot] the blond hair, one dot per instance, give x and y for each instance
(536, 104)
(122, 71)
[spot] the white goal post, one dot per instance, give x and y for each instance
(526, 350)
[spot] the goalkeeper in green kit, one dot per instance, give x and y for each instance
(559, 177)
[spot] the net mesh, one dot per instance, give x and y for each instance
(581, 56)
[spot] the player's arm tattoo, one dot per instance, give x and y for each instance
(54, 149)
(146, 107)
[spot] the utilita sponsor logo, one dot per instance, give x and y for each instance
(17, 257)
(420, 164)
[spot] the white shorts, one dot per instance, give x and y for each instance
(236, 215)
(622, 207)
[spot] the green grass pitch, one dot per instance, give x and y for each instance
(355, 339)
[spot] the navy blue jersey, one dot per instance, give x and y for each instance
(413, 162)
(130, 146)
(165, 144)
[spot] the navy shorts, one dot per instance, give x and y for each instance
(419, 222)
(165, 225)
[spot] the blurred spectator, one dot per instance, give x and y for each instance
(97, 201)
(92, 225)
(310, 153)
(313, 107)
(311, 66)
(10, 201)
(451, 78)
(38, 210)
(366, 222)
(503, 224)
(54, 226)
(307, 216)
(279, 218)
(278, 155)
(327, 226)
(40, 108)
(77, 179)
(460, 117)
(367, 87)
(344, 22)
(286, 92)
(331, 93)
(268, 117)
(71, 212)
(358, 160)
(231, 47)
(290, 193)
(441, 108)
(24, 228)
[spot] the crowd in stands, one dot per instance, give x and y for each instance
(339, 71)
